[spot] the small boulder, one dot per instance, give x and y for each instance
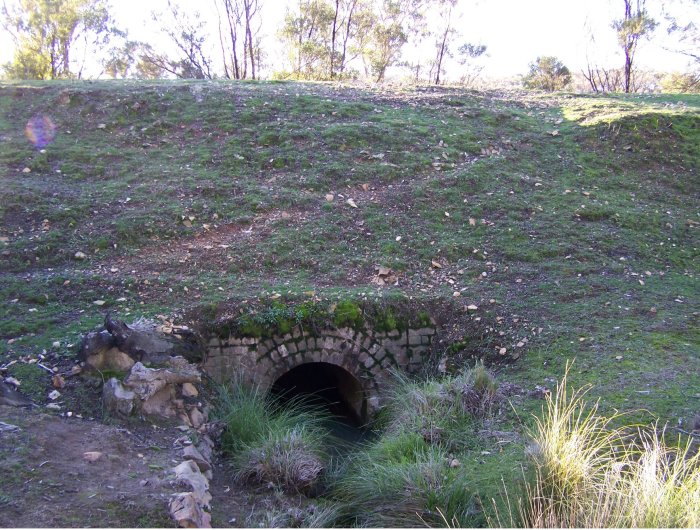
(95, 342)
(187, 512)
(190, 452)
(188, 473)
(197, 418)
(117, 399)
(189, 390)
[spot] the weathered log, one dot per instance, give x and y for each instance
(151, 346)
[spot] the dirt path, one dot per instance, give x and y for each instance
(47, 481)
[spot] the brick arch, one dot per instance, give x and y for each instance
(354, 351)
(365, 354)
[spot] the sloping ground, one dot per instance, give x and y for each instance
(569, 221)
(47, 481)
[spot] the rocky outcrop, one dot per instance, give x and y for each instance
(155, 392)
(119, 346)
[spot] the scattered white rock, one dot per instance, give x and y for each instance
(92, 456)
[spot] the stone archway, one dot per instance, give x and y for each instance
(326, 385)
(364, 353)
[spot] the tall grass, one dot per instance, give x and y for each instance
(270, 443)
(409, 476)
(588, 473)
(402, 482)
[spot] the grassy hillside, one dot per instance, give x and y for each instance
(570, 221)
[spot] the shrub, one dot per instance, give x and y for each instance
(675, 83)
(547, 73)
(417, 488)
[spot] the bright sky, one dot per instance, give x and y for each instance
(514, 31)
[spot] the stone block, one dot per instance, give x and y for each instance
(401, 359)
(393, 334)
(388, 362)
(282, 349)
(250, 341)
(214, 342)
(428, 332)
(414, 338)
(376, 369)
(380, 354)
(263, 366)
(426, 340)
(369, 362)
(291, 347)
(336, 358)
(415, 366)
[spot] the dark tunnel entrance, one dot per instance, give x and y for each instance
(328, 386)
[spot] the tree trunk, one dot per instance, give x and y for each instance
(334, 32)
(351, 10)
(443, 46)
(230, 15)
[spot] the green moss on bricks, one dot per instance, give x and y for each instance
(387, 320)
(348, 314)
(423, 320)
(248, 327)
(280, 319)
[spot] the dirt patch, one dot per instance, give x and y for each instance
(47, 481)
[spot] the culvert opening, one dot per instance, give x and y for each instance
(330, 387)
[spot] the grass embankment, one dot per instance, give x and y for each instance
(569, 221)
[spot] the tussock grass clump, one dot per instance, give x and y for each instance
(590, 474)
(402, 482)
(291, 459)
(443, 412)
(411, 475)
(271, 444)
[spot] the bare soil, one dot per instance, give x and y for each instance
(47, 481)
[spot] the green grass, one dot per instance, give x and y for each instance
(425, 465)
(590, 233)
(272, 443)
(590, 473)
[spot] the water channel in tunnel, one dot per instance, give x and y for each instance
(334, 390)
